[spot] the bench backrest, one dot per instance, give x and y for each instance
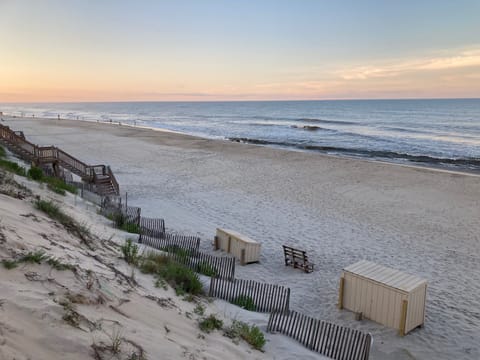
(289, 251)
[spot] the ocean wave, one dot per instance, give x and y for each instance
(463, 162)
(332, 122)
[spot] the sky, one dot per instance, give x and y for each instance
(211, 50)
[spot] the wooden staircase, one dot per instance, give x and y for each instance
(101, 176)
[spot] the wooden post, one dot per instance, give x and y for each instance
(229, 243)
(403, 318)
(215, 243)
(340, 293)
(242, 257)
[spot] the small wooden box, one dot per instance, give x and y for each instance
(242, 247)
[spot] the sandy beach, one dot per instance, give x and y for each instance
(422, 221)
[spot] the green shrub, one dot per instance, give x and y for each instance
(35, 173)
(3, 153)
(210, 323)
(251, 334)
(130, 252)
(245, 302)
(12, 167)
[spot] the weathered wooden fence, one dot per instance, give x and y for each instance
(265, 297)
(152, 227)
(172, 242)
(334, 341)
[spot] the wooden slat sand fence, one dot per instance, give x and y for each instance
(172, 243)
(152, 227)
(334, 341)
(259, 296)
(184, 249)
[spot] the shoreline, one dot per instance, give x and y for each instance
(339, 210)
(427, 166)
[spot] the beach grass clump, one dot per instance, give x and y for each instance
(35, 173)
(9, 264)
(130, 228)
(59, 186)
(55, 213)
(35, 257)
(210, 323)
(199, 310)
(181, 278)
(152, 262)
(55, 184)
(59, 265)
(12, 167)
(38, 257)
(180, 253)
(122, 223)
(245, 302)
(251, 334)
(130, 252)
(205, 268)
(3, 153)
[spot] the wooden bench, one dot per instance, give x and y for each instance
(297, 258)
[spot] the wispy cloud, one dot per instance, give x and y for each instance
(465, 58)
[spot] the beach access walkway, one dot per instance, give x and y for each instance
(100, 176)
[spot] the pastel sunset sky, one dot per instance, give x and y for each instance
(203, 50)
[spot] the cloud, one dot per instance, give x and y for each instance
(466, 58)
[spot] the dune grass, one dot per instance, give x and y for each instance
(55, 213)
(181, 278)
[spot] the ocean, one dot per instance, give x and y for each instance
(438, 132)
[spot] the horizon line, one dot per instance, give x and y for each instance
(239, 101)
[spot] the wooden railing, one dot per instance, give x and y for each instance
(51, 154)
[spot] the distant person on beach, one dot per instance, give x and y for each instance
(58, 116)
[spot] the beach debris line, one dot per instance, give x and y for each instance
(365, 285)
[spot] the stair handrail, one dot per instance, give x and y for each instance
(115, 184)
(12, 137)
(52, 153)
